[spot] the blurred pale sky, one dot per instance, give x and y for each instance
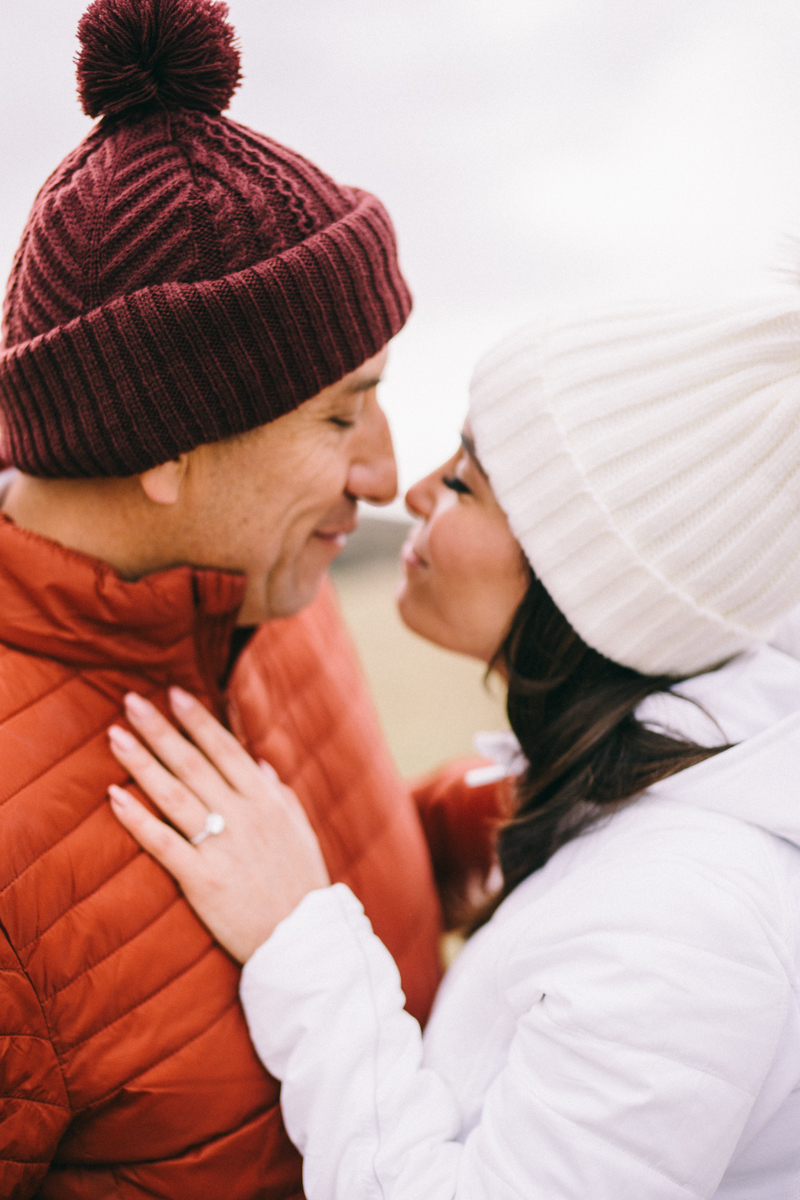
(529, 151)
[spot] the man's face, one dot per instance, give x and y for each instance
(278, 502)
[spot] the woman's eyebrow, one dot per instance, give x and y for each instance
(469, 447)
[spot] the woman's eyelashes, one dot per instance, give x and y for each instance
(456, 485)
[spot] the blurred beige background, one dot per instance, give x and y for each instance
(430, 701)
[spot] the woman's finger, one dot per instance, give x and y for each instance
(182, 758)
(225, 752)
(245, 882)
(166, 846)
(174, 799)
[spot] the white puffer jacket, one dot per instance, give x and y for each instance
(626, 1027)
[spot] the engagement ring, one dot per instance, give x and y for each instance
(215, 823)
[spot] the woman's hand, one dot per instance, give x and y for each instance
(244, 880)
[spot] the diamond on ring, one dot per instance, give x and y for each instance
(215, 823)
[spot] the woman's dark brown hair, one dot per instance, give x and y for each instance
(573, 710)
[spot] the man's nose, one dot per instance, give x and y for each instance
(373, 471)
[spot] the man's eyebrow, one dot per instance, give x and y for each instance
(469, 447)
(362, 385)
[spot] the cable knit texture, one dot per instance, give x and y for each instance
(649, 464)
(181, 279)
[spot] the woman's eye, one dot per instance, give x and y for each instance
(456, 485)
(341, 422)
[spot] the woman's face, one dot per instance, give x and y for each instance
(465, 574)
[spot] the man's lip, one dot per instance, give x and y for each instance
(340, 534)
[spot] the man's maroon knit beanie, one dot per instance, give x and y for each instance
(180, 278)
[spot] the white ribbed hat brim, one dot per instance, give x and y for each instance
(649, 465)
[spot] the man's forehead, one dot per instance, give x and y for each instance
(363, 379)
(344, 391)
(368, 375)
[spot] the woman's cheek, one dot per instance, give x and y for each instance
(417, 610)
(455, 550)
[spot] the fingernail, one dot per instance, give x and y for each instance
(137, 705)
(121, 738)
(180, 700)
(118, 795)
(268, 769)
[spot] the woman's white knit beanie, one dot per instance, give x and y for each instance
(649, 465)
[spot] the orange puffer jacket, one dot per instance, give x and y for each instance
(125, 1065)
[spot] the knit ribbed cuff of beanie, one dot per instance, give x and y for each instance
(149, 375)
(649, 466)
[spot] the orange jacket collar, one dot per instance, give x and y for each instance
(67, 606)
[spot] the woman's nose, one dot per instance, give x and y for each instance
(421, 496)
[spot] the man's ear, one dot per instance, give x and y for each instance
(162, 484)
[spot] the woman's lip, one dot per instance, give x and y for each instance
(409, 556)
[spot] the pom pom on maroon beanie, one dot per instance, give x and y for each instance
(180, 278)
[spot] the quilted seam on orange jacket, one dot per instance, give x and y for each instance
(125, 1065)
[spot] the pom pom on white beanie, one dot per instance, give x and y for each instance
(649, 466)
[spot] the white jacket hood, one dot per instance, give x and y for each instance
(757, 781)
(755, 702)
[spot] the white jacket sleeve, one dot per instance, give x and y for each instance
(325, 1010)
(632, 1076)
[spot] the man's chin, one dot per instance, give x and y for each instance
(285, 600)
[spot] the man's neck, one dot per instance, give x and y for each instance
(101, 518)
